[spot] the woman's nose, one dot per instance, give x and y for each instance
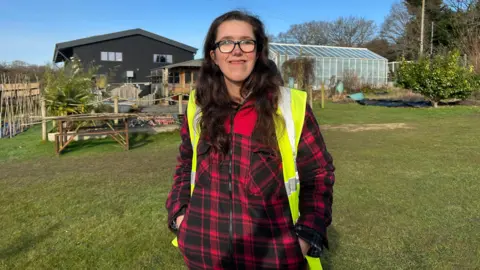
(237, 50)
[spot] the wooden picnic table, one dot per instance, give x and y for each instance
(64, 136)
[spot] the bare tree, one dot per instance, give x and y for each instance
(382, 47)
(394, 29)
(395, 24)
(271, 37)
(285, 38)
(466, 28)
(461, 5)
(311, 33)
(351, 31)
(18, 67)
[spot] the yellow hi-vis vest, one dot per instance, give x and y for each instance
(292, 107)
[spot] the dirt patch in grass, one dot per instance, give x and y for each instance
(366, 127)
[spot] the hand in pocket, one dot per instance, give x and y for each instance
(179, 220)
(304, 246)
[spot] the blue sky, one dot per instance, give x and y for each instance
(30, 28)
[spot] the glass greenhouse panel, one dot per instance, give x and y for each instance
(333, 67)
(326, 68)
(357, 67)
(343, 63)
(318, 70)
(383, 71)
(372, 66)
(309, 51)
(335, 62)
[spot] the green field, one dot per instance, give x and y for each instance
(404, 198)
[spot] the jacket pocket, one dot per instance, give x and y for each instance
(265, 183)
(298, 248)
(203, 163)
(181, 230)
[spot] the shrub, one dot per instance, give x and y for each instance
(476, 95)
(103, 108)
(301, 70)
(351, 81)
(442, 77)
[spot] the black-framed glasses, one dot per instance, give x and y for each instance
(227, 46)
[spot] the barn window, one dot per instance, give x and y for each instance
(118, 56)
(111, 56)
(162, 58)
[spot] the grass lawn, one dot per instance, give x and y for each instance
(404, 198)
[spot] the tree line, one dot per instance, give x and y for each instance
(448, 24)
(455, 25)
(20, 68)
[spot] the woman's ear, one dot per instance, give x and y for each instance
(212, 55)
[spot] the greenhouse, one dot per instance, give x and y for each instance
(334, 64)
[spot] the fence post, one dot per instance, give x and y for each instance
(115, 108)
(180, 105)
(165, 85)
(310, 93)
(44, 121)
(10, 117)
(2, 121)
(138, 100)
(323, 95)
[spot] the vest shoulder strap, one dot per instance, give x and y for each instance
(291, 104)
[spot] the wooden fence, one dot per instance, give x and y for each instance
(19, 102)
(129, 92)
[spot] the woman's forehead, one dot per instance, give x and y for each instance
(234, 30)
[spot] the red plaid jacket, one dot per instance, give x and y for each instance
(238, 216)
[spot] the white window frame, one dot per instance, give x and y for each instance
(118, 57)
(111, 56)
(104, 56)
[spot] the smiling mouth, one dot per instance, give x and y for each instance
(236, 62)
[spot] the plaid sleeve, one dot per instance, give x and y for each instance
(313, 238)
(316, 173)
(179, 195)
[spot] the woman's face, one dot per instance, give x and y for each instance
(236, 65)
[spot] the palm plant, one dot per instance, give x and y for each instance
(68, 89)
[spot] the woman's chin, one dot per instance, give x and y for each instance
(237, 78)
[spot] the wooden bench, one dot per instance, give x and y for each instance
(65, 137)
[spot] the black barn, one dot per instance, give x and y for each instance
(126, 56)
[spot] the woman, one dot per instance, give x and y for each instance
(238, 215)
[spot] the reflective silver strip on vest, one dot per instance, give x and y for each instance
(291, 185)
(192, 178)
(286, 108)
(196, 120)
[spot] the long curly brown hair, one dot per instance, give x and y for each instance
(262, 85)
